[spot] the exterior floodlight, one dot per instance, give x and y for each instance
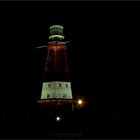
(58, 118)
(80, 101)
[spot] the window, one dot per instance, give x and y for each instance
(60, 84)
(64, 95)
(49, 85)
(48, 95)
(66, 85)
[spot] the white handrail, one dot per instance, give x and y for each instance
(41, 47)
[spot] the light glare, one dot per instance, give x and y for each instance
(80, 101)
(57, 118)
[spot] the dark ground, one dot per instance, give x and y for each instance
(103, 60)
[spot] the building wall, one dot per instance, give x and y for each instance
(56, 90)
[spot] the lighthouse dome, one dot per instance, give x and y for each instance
(56, 32)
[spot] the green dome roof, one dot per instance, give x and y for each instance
(56, 32)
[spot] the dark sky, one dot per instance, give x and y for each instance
(103, 58)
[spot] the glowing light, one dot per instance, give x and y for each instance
(58, 118)
(56, 26)
(80, 101)
(56, 36)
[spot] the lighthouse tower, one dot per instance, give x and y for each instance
(56, 86)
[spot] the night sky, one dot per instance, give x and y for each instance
(103, 62)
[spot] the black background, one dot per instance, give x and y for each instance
(103, 61)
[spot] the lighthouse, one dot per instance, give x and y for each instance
(56, 86)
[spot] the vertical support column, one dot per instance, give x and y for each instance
(55, 58)
(58, 55)
(65, 61)
(46, 62)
